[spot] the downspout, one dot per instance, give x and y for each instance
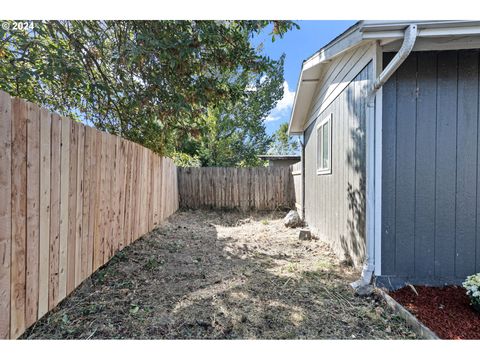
(410, 36)
(303, 175)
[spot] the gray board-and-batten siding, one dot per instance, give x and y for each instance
(335, 203)
(430, 169)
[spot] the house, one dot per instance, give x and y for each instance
(389, 112)
(280, 160)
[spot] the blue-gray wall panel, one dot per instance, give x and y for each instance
(430, 197)
(446, 163)
(405, 162)
(425, 164)
(389, 172)
(467, 130)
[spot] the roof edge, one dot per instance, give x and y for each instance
(361, 32)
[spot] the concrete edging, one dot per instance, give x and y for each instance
(416, 325)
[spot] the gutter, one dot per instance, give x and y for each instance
(362, 285)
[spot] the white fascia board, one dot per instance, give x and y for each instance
(450, 31)
(379, 35)
(303, 97)
(382, 25)
(349, 40)
(290, 131)
(447, 31)
(437, 43)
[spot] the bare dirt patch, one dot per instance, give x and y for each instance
(221, 275)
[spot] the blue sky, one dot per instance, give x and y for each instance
(298, 45)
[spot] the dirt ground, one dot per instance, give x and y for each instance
(221, 275)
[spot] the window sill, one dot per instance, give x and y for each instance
(324, 172)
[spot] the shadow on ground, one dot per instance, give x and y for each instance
(220, 275)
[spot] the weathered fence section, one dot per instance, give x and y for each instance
(296, 170)
(70, 197)
(260, 188)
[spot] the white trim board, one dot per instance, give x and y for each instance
(425, 33)
(377, 171)
(319, 155)
(440, 43)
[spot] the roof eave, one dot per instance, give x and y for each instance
(357, 35)
(311, 71)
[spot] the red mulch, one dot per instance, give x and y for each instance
(445, 310)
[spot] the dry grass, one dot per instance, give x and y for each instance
(221, 275)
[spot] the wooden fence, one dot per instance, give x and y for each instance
(297, 185)
(70, 197)
(261, 188)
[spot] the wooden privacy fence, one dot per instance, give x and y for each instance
(261, 188)
(70, 197)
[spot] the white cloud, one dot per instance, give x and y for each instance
(284, 106)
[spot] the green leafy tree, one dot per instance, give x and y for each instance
(148, 81)
(283, 144)
(234, 134)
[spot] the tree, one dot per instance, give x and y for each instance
(151, 82)
(282, 142)
(235, 134)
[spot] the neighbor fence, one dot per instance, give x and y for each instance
(70, 197)
(260, 188)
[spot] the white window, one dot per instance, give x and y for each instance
(324, 146)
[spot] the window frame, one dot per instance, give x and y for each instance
(319, 151)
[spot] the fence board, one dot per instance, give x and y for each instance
(118, 197)
(133, 191)
(85, 203)
(142, 191)
(64, 208)
(54, 255)
(92, 195)
(19, 217)
(108, 192)
(79, 203)
(72, 208)
(136, 199)
(44, 247)
(98, 245)
(5, 213)
(103, 199)
(128, 182)
(162, 186)
(33, 214)
(121, 190)
(242, 188)
(151, 191)
(106, 171)
(113, 197)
